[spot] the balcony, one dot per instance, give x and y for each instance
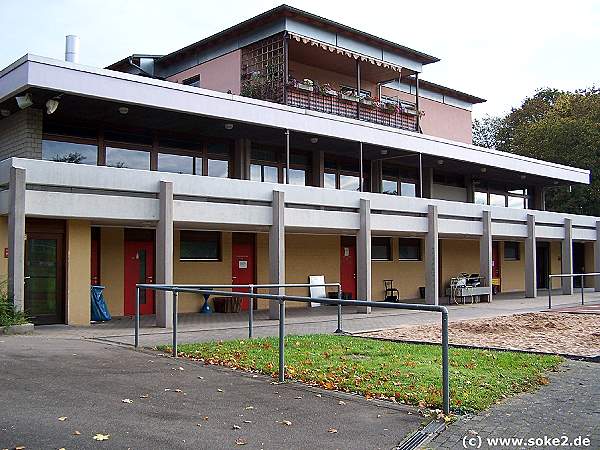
(311, 75)
(392, 114)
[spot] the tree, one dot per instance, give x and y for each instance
(485, 131)
(72, 157)
(561, 127)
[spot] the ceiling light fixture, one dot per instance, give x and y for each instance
(123, 110)
(523, 177)
(51, 106)
(384, 151)
(440, 162)
(483, 169)
(314, 140)
(4, 112)
(24, 101)
(229, 126)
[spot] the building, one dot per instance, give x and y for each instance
(285, 146)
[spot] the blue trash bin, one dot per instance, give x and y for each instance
(99, 309)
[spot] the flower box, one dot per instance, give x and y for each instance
(305, 87)
(330, 92)
(349, 97)
(367, 101)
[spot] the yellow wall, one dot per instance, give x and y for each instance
(408, 276)
(198, 272)
(457, 255)
(112, 268)
(555, 262)
(512, 273)
(78, 272)
(589, 263)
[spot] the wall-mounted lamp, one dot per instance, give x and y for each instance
(24, 101)
(51, 106)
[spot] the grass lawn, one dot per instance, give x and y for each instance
(408, 373)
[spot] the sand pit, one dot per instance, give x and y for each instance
(559, 333)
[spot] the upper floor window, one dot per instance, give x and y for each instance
(395, 181)
(192, 81)
(517, 198)
(127, 158)
(269, 165)
(168, 162)
(210, 159)
(71, 152)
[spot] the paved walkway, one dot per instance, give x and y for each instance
(201, 327)
(197, 406)
(567, 408)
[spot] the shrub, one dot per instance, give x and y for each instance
(9, 315)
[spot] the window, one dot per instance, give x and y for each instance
(69, 152)
(410, 249)
(381, 249)
(297, 177)
(497, 200)
(511, 251)
(481, 198)
(200, 246)
(192, 81)
(126, 158)
(408, 189)
(269, 165)
(516, 202)
(218, 168)
(175, 163)
(389, 187)
(349, 183)
(329, 180)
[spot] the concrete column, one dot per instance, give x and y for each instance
(277, 250)
(427, 182)
(318, 168)
(530, 259)
(485, 250)
(164, 255)
(363, 255)
(16, 237)
(376, 175)
(470, 189)
(241, 163)
(567, 257)
(432, 257)
(539, 199)
(597, 258)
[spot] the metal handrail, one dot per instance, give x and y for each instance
(566, 275)
(281, 299)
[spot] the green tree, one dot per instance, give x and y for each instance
(485, 131)
(561, 127)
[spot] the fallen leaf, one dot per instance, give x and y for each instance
(298, 398)
(219, 390)
(198, 424)
(318, 395)
(332, 430)
(20, 447)
(240, 442)
(341, 402)
(63, 418)
(101, 437)
(181, 368)
(205, 418)
(235, 427)
(247, 421)
(144, 396)
(286, 422)
(62, 448)
(249, 407)
(127, 400)
(76, 433)
(201, 378)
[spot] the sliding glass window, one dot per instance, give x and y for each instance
(168, 162)
(71, 152)
(127, 158)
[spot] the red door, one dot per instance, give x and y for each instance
(242, 263)
(348, 265)
(496, 267)
(139, 268)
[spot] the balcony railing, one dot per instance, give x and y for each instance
(348, 106)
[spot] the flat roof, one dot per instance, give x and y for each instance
(38, 72)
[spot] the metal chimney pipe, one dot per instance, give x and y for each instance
(72, 48)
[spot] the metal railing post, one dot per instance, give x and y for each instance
(339, 312)
(581, 289)
(281, 340)
(251, 315)
(137, 317)
(445, 366)
(549, 291)
(174, 324)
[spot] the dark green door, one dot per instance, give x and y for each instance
(44, 279)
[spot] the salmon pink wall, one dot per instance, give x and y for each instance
(219, 74)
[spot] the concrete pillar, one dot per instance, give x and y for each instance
(432, 257)
(539, 199)
(16, 237)
(567, 257)
(427, 182)
(318, 168)
(597, 258)
(376, 175)
(470, 189)
(277, 250)
(530, 259)
(485, 250)
(164, 255)
(363, 255)
(241, 160)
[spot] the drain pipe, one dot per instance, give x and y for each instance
(72, 48)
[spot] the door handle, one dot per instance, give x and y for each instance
(148, 279)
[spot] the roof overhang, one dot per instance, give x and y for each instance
(44, 73)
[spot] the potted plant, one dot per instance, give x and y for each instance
(306, 85)
(326, 89)
(367, 100)
(391, 108)
(348, 94)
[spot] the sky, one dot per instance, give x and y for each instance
(502, 51)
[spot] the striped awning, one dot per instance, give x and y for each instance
(345, 52)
